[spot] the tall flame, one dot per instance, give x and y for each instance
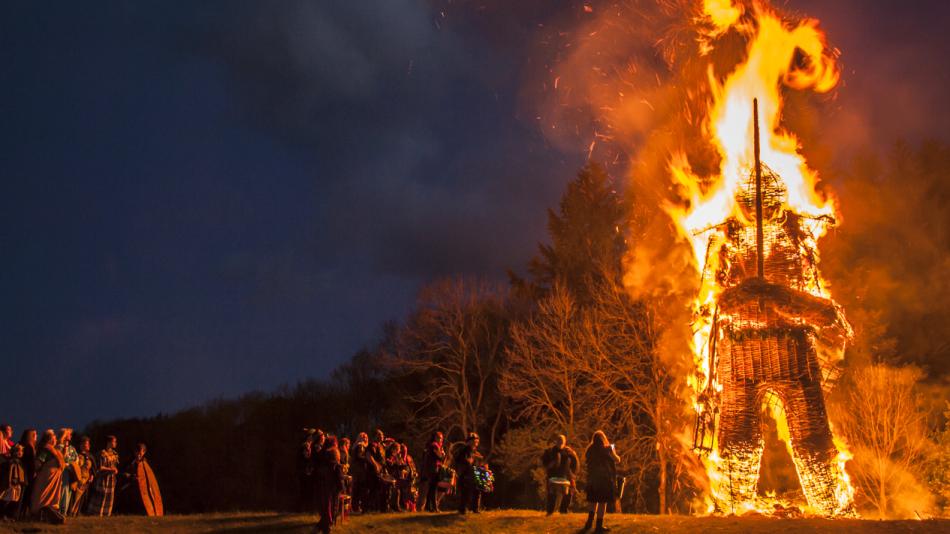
(778, 55)
(722, 14)
(769, 65)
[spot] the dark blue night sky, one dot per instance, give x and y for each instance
(202, 199)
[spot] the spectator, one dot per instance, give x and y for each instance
(395, 464)
(360, 471)
(139, 493)
(381, 483)
(465, 461)
(405, 482)
(432, 460)
(319, 439)
(12, 483)
(85, 473)
(305, 471)
(70, 470)
(329, 475)
(6, 440)
(601, 459)
(103, 495)
(344, 446)
(47, 488)
(345, 454)
(560, 465)
(28, 442)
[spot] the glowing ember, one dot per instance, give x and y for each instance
(766, 329)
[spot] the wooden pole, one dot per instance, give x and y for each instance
(759, 244)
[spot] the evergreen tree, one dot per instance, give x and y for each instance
(587, 239)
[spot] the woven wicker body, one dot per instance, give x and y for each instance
(768, 350)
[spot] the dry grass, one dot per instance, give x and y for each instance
(495, 522)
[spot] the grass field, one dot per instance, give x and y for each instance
(495, 522)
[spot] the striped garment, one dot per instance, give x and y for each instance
(103, 487)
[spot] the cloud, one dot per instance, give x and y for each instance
(406, 120)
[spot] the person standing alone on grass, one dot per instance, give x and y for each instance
(601, 460)
(560, 466)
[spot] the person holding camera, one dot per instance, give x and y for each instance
(601, 459)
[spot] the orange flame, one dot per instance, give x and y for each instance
(795, 56)
(722, 14)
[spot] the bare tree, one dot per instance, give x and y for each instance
(574, 369)
(637, 390)
(451, 348)
(880, 414)
(541, 376)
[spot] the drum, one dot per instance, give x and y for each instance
(447, 478)
(484, 479)
(148, 490)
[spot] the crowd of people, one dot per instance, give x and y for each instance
(379, 475)
(52, 476)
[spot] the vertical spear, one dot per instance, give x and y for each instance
(760, 253)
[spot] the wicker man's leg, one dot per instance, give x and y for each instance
(740, 445)
(813, 449)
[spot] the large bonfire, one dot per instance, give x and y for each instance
(695, 106)
(767, 333)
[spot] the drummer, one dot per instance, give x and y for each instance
(129, 498)
(560, 466)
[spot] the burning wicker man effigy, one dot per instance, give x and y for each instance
(770, 334)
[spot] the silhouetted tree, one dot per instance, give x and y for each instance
(452, 347)
(587, 237)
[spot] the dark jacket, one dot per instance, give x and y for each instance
(304, 467)
(360, 463)
(29, 462)
(601, 473)
(560, 462)
(329, 471)
(466, 457)
(432, 460)
(377, 451)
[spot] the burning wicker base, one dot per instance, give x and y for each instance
(758, 366)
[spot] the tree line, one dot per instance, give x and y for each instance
(564, 349)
